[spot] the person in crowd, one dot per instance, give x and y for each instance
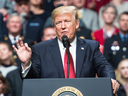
(87, 16)
(14, 25)
(48, 59)
(4, 88)
(48, 33)
(6, 7)
(122, 77)
(116, 47)
(7, 63)
(32, 26)
(108, 14)
(9, 70)
(95, 4)
(36, 7)
(121, 7)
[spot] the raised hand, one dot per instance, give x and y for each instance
(24, 52)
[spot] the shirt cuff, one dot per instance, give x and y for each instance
(25, 72)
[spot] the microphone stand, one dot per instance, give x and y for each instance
(68, 61)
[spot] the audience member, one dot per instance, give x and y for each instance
(36, 7)
(3, 86)
(108, 14)
(48, 33)
(95, 4)
(121, 7)
(122, 77)
(7, 63)
(6, 7)
(116, 47)
(88, 17)
(32, 27)
(14, 25)
(9, 70)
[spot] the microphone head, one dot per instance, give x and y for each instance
(65, 41)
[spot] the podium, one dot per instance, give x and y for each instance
(67, 87)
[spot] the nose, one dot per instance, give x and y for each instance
(63, 25)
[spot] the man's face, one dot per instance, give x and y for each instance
(61, 2)
(65, 24)
(23, 8)
(78, 3)
(123, 23)
(49, 33)
(124, 69)
(109, 15)
(14, 25)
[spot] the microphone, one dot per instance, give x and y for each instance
(65, 41)
(66, 44)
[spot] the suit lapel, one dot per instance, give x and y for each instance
(55, 52)
(80, 56)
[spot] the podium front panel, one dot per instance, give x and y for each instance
(87, 86)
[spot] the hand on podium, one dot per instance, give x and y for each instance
(115, 86)
(24, 52)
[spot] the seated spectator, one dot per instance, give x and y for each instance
(48, 33)
(32, 27)
(3, 86)
(121, 7)
(122, 76)
(7, 63)
(36, 6)
(14, 25)
(88, 17)
(116, 47)
(95, 4)
(108, 14)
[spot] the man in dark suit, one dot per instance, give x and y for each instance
(49, 58)
(116, 47)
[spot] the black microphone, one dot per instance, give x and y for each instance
(66, 44)
(65, 41)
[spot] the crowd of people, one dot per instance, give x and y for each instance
(31, 22)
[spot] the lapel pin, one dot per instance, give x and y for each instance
(82, 48)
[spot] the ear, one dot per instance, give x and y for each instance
(77, 24)
(10, 53)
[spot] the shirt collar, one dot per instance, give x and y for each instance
(122, 36)
(12, 37)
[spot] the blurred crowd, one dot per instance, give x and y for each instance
(105, 21)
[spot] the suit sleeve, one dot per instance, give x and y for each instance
(102, 67)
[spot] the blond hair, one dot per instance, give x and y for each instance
(64, 9)
(118, 73)
(12, 61)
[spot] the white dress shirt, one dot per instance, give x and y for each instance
(72, 50)
(11, 37)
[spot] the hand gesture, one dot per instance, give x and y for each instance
(115, 86)
(24, 52)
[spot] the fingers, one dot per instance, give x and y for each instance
(115, 85)
(27, 47)
(19, 43)
(14, 48)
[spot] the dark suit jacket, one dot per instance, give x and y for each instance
(47, 62)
